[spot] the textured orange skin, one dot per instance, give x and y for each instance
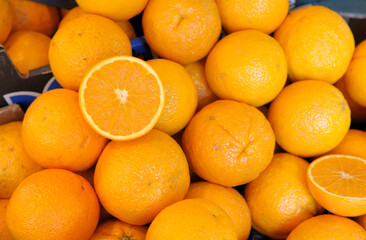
(328, 227)
(309, 118)
(15, 162)
(229, 199)
(265, 16)
(247, 66)
(229, 143)
(53, 204)
(354, 144)
(318, 44)
(181, 30)
(28, 50)
(4, 231)
(192, 219)
(6, 20)
(117, 230)
(34, 16)
(136, 179)
(279, 199)
(88, 40)
(180, 94)
(55, 134)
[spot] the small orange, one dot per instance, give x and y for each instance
(55, 134)
(63, 12)
(28, 50)
(34, 16)
(181, 30)
(328, 227)
(4, 231)
(117, 230)
(338, 183)
(229, 143)
(279, 199)
(53, 204)
(136, 179)
(122, 98)
(318, 44)
(78, 46)
(247, 66)
(229, 199)
(6, 20)
(204, 93)
(180, 94)
(361, 220)
(192, 219)
(309, 118)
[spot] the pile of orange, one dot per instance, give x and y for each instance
(251, 120)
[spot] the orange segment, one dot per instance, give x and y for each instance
(338, 183)
(122, 98)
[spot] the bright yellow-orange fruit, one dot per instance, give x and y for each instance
(309, 118)
(78, 46)
(247, 66)
(181, 30)
(53, 204)
(6, 20)
(117, 230)
(192, 219)
(229, 143)
(279, 199)
(328, 227)
(4, 231)
(318, 44)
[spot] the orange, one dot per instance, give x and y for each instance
(318, 44)
(229, 199)
(229, 143)
(192, 219)
(56, 135)
(78, 46)
(181, 30)
(63, 12)
(53, 204)
(136, 179)
(28, 50)
(181, 95)
(204, 93)
(122, 98)
(114, 9)
(247, 66)
(15, 163)
(355, 76)
(265, 16)
(117, 230)
(34, 16)
(4, 231)
(6, 20)
(309, 118)
(127, 28)
(338, 183)
(279, 199)
(328, 227)
(361, 220)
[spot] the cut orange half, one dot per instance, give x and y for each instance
(121, 98)
(338, 183)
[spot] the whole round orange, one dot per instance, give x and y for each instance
(279, 199)
(53, 204)
(247, 66)
(55, 134)
(180, 94)
(328, 227)
(309, 118)
(28, 50)
(192, 219)
(117, 230)
(78, 46)
(181, 30)
(229, 199)
(4, 231)
(136, 179)
(318, 44)
(229, 143)
(6, 20)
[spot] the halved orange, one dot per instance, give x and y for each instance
(121, 98)
(338, 183)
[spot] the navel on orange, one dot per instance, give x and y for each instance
(122, 98)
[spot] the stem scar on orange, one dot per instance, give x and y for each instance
(121, 98)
